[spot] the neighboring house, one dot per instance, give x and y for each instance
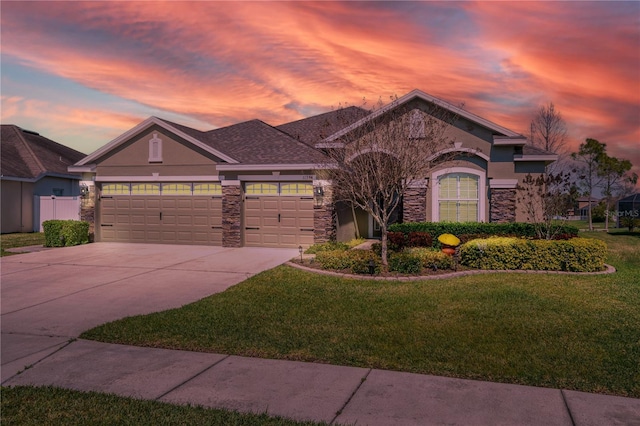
(252, 184)
(628, 207)
(583, 204)
(32, 166)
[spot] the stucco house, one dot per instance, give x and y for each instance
(253, 184)
(32, 166)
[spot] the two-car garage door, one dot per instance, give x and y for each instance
(161, 213)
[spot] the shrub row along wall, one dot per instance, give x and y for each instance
(60, 233)
(517, 229)
(575, 255)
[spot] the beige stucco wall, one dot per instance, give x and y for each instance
(178, 158)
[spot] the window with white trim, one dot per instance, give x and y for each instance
(458, 197)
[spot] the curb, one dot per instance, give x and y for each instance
(610, 270)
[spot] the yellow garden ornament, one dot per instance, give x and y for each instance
(449, 240)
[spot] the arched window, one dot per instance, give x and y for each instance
(459, 195)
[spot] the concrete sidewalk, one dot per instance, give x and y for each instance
(320, 392)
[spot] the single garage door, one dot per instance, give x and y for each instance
(278, 214)
(168, 213)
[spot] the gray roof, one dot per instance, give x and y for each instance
(27, 155)
(255, 142)
(314, 129)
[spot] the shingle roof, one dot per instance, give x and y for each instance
(313, 129)
(255, 142)
(28, 155)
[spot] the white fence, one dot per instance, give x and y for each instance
(51, 207)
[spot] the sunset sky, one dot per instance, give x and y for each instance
(82, 73)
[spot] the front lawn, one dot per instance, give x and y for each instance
(20, 240)
(52, 406)
(567, 331)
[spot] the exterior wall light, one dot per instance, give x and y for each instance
(318, 196)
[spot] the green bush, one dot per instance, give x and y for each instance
(328, 246)
(433, 258)
(575, 255)
(405, 263)
(360, 260)
(59, 233)
(356, 261)
(516, 229)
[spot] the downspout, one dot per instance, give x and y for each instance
(355, 221)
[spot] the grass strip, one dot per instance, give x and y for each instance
(26, 405)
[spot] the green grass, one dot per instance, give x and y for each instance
(53, 406)
(20, 240)
(564, 331)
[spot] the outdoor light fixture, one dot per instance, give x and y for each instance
(300, 251)
(318, 193)
(372, 267)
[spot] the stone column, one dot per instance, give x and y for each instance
(324, 220)
(231, 214)
(503, 205)
(414, 203)
(88, 209)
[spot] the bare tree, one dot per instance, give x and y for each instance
(374, 161)
(548, 129)
(546, 199)
(549, 132)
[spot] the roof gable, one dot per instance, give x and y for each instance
(28, 155)
(186, 133)
(420, 95)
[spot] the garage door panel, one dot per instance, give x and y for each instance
(135, 204)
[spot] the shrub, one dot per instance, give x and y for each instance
(357, 261)
(396, 241)
(433, 258)
(59, 233)
(360, 260)
(405, 263)
(575, 255)
(419, 239)
(334, 259)
(328, 246)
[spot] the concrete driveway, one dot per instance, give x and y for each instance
(50, 297)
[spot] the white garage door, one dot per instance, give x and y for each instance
(278, 214)
(170, 213)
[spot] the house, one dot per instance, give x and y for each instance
(253, 184)
(628, 208)
(583, 205)
(32, 166)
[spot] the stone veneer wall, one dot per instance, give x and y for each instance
(414, 205)
(503, 205)
(324, 219)
(88, 208)
(231, 216)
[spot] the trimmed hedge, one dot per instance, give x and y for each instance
(60, 233)
(575, 255)
(357, 261)
(405, 263)
(517, 229)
